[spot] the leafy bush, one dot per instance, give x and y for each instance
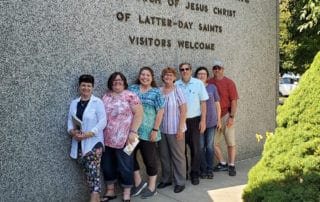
(289, 169)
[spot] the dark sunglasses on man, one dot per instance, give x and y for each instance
(184, 69)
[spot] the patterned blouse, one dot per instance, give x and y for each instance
(152, 101)
(119, 117)
(171, 116)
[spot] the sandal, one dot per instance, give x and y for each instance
(106, 198)
(127, 196)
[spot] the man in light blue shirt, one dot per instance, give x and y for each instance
(196, 95)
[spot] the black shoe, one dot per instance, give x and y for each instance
(220, 167)
(162, 185)
(147, 193)
(203, 176)
(210, 175)
(135, 191)
(178, 188)
(195, 181)
(108, 198)
(232, 171)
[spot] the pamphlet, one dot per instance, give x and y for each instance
(77, 123)
(130, 147)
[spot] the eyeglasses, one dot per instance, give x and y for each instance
(205, 74)
(184, 69)
(216, 68)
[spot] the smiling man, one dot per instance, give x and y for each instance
(196, 95)
(228, 102)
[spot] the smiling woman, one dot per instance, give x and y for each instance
(87, 138)
(173, 126)
(213, 123)
(153, 108)
(124, 113)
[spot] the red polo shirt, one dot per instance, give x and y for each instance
(227, 91)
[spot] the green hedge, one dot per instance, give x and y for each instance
(289, 169)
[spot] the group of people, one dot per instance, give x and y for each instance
(194, 111)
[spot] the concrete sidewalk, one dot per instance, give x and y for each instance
(222, 188)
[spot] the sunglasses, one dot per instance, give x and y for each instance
(216, 68)
(184, 69)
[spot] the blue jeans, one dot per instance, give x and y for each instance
(207, 151)
(115, 162)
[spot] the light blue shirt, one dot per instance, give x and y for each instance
(195, 92)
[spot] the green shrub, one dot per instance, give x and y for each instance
(289, 169)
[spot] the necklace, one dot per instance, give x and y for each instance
(84, 103)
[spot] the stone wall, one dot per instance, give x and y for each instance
(46, 45)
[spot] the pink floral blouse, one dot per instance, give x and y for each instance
(119, 117)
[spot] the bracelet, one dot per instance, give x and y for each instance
(133, 131)
(91, 134)
(156, 130)
(231, 116)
